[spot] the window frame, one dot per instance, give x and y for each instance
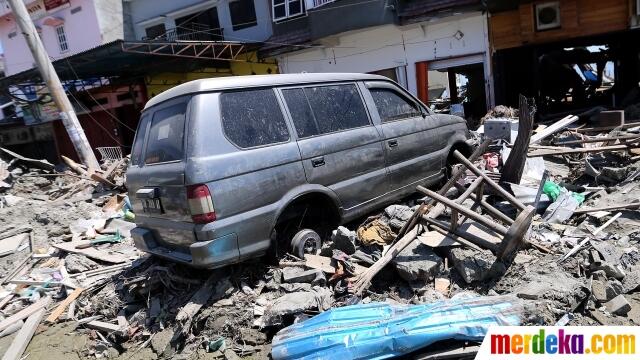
(323, 84)
(61, 36)
(388, 84)
(242, 26)
(401, 96)
(280, 106)
(287, 15)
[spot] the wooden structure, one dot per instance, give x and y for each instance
(513, 234)
(578, 18)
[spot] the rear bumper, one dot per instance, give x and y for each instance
(208, 254)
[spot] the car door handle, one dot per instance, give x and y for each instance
(393, 143)
(319, 161)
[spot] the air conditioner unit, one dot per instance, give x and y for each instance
(548, 15)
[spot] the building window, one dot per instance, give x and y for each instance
(283, 9)
(62, 39)
(243, 14)
(155, 32)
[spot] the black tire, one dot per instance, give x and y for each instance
(306, 241)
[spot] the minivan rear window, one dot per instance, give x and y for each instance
(166, 134)
(253, 118)
(138, 143)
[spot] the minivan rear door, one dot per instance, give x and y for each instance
(156, 177)
(340, 147)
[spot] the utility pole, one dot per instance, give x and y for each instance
(48, 73)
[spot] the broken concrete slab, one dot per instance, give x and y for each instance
(417, 261)
(344, 239)
(631, 281)
(76, 263)
(604, 291)
(618, 305)
(400, 212)
(475, 265)
(614, 271)
(298, 275)
(11, 200)
(300, 301)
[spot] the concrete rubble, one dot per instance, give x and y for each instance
(580, 266)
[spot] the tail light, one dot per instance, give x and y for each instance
(200, 204)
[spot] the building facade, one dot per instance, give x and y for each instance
(437, 50)
(233, 20)
(66, 27)
(571, 55)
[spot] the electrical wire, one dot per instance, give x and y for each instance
(75, 74)
(98, 123)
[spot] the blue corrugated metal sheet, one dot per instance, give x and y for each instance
(381, 330)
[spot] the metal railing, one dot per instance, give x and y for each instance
(190, 32)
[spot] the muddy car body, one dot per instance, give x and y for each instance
(225, 169)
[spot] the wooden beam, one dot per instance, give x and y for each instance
(607, 128)
(553, 128)
(63, 305)
(23, 338)
(491, 224)
(565, 151)
(514, 165)
(626, 138)
(25, 313)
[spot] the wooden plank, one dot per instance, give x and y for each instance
(40, 164)
(514, 165)
(565, 151)
(11, 244)
(324, 263)
(553, 128)
(23, 338)
(13, 232)
(607, 128)
(632, 138)
(631, 206)
(103, 326)
(25, 313)
(63, 305)
(98, 254)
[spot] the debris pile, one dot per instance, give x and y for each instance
(539, 228)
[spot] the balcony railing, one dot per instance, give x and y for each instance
(312, 4)
(189, 32)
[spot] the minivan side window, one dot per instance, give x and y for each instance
(337, 107)
(138, 143)
(392, 106)
(252, 118)
(166, 134)
(325, 109)
(301, 112)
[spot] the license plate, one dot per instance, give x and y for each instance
(152, 206)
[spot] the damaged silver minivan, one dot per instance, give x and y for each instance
(231, 168)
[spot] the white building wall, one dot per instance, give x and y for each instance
(85, 29)
(146, 13)
(391, 46)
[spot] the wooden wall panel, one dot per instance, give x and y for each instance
(579, 18)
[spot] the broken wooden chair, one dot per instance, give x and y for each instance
(513, 236)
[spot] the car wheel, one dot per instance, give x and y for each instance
(305, 241)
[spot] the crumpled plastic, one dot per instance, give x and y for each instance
(554, 190)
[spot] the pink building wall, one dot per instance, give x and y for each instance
(83, 31)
